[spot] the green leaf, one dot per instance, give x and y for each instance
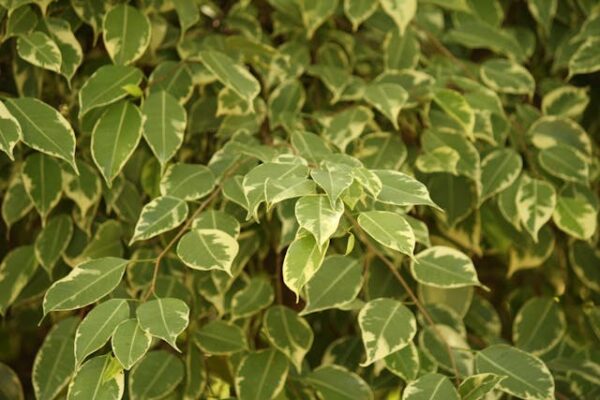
(584, 259)
(220, 338)
(254, 182)
(69, 46)
(187, 181)
(10, 131)
(53, 240)
(164, 124)
(543, 12)
(333, 181)
(526, 375)
(402, 190)
(21, 21)
(55, 361)
(126, 34)
(476, 387)
(388, 98)
(586, 59)
(91, 12)
(164, 318)
(285, 103)
(402, 51)
(155, 376)
(382, 150)
(302, 260)
(278, 190)
(315, 12)
(160, 215)
(261, 375)
(173, 77)
(188, 14)
(565, 163)
(196, 375)
(288, 333)
(404, 362)
(499, 169)
(219, 220)
(444, 267)
(231, 74)
(42, 178)
(17, 268)
(16, 203)
(96, 379)
(106, 86)
(550, 131)
(434, 347)
(566, 101)
(457, 108)
(401, 11)
(347, 125)
(130, 342)
(255, 296)
(358, 11)
(334, 382)
(536, 200)
(390, 229)
(505, 76)
(40, 50)
(431, 386)
(539, 326)
(84, 189)
(115, 137)
(86, 283)
(456, 195)
(334, 285)
(386, 326)
(98, 326)
(10, 385)
(310, 146)
(440, 159)
(208, 249)
(43, 128)
(315, 214)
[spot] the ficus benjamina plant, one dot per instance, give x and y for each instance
(299, 199)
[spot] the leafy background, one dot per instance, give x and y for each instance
(299, 199)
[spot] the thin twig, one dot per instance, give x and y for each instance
(184, 228)
(411, 294)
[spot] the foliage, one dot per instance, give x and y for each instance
(300, 199)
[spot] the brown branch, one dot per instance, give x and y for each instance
(411, 294)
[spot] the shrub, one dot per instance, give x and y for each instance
(300, 199)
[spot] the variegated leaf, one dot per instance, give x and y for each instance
(444, 267)
(334, 285)
(526, 375)
(390, 229)
(386, 326)
(317, 216)
(536, 200)
(85, 284)
(288, 333)
(164, 318)
(302, 260)
(115, 137)
(43, 128)
(261, 375)
(130, 342)
(126, 33)
(164, 124)
(160, 215)
(208, 249)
